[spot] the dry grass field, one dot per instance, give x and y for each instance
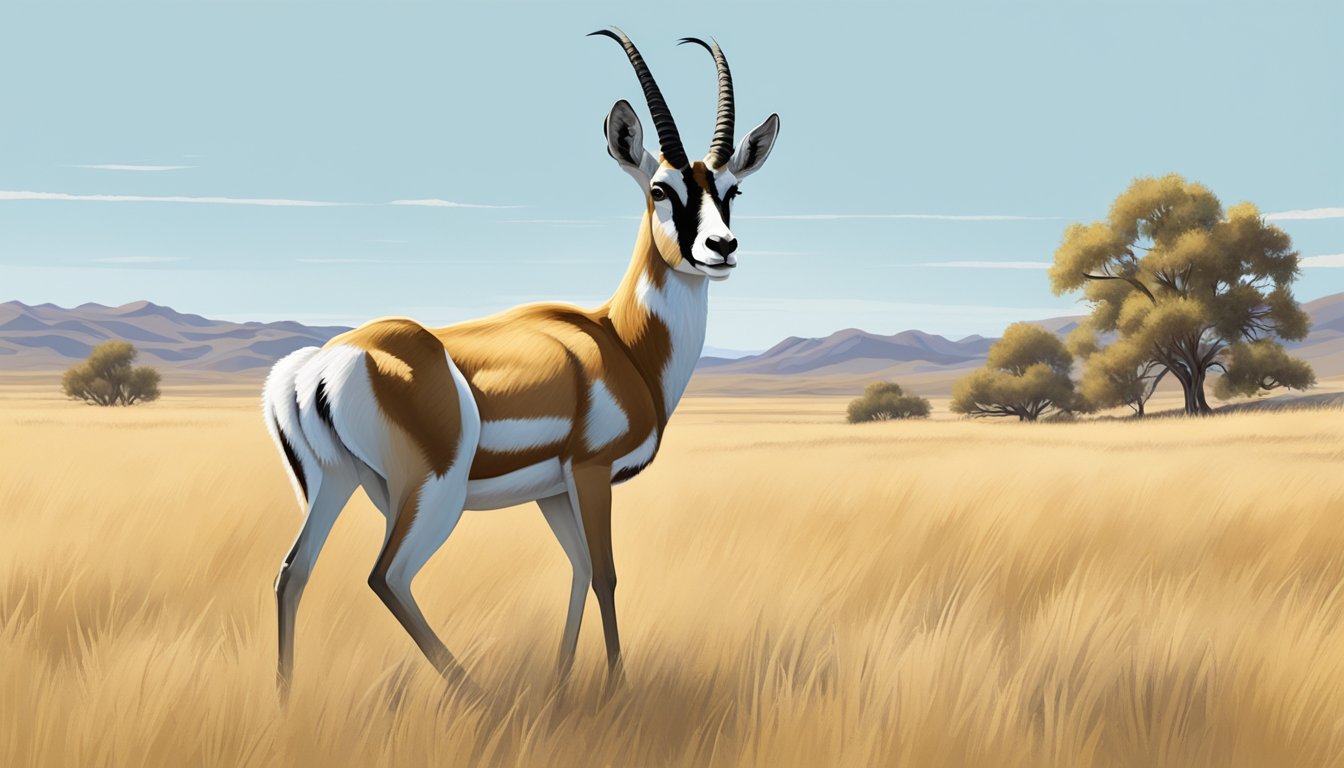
(794, 591)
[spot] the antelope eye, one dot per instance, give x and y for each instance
(733, 192)
(658, 193)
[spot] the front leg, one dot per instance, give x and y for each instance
(564, 522)
(590, 492)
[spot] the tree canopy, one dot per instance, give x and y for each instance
(1118, 374)
(1188, 289)
(885, 400)
(1026, 375)
(107, 378)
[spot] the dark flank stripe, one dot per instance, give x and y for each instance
(625, 473)
(293, 458)
(324, 405)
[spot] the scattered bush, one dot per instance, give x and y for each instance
(107, 377)
(883, 401)
(1027, 376)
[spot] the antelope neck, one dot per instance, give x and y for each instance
(659, 314)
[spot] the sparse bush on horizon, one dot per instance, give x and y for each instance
(107, 378)
(884, 401)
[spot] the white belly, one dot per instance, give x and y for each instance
(518, 487)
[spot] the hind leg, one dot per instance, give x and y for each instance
(424, 521)
(332, 489)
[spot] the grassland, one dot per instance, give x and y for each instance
(793, 591)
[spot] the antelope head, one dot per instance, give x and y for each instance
(690, 203)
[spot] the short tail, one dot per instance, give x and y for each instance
(280, 408)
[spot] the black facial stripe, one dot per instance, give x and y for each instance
(722, 202)
(686, 214)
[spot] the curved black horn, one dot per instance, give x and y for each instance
(669, 140)
(721, 146)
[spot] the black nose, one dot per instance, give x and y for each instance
(720, 245)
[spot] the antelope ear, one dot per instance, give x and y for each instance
(625, 142)
(751, 153)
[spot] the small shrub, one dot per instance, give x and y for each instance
(107, 377)
(883, 401)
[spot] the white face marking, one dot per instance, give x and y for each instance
(683, 306)
(724, 181)
(662, 209)
(605, 421)
(505, 435)
(707, 262)
(712, 225)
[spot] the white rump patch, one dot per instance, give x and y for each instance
(606, 421)
(506, 435)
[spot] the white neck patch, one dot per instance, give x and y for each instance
(683, 306)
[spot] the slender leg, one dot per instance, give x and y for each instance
(375, 487)
(568, 529)
(590, 491)
(424, 521)
(333, 490)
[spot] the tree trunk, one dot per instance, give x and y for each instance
(1192, 383)
(1204, 408)
(1187, 386)
(1200, 405)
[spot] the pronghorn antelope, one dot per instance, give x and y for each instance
(545, 402)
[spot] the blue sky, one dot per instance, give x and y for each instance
(930, 154)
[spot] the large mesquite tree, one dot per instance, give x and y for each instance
(1188, 289)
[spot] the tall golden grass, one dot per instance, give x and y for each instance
(794, 591)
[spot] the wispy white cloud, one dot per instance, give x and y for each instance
(434, 202)
(1326, 260)
(788, 305)
(557, 222)
(131, 167)
(987, 264)
(139, 259)
(341, 261)
(911, 216)
(66, 197)
(1306, 214)
(262, 201)
(500, 261)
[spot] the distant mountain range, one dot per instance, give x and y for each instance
(48, 337)
(844, 361)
